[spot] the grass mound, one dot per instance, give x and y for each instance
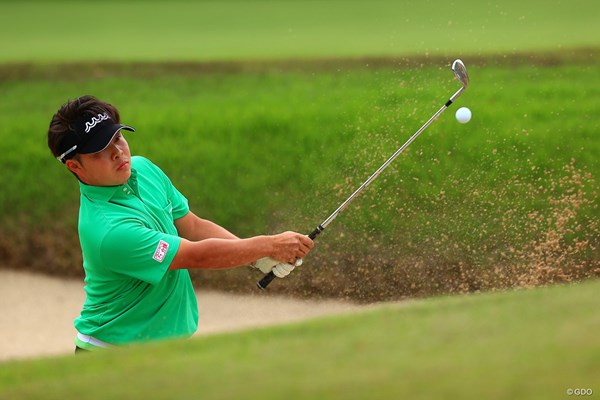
(533, 344)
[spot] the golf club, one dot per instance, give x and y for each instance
(460, 72)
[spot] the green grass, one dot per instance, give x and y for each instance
(468, 207)
(43, 31)
(292, 145)
(528, 344)
(302, 133)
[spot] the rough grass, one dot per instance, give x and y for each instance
(506, 200)
(532, 344)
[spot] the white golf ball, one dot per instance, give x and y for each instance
(463, 115)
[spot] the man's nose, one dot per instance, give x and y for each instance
(116, 151)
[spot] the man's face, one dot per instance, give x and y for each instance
(110, 167)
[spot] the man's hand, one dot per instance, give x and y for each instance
(290, 246)
(266, 265)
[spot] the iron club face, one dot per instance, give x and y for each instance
(460, 72)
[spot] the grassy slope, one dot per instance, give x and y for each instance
(314, 136)
(209, 30)
(256, 130)
(311, 137)
(532, 344)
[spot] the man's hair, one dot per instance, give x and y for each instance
(63, 122)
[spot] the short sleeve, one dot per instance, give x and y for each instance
(134, 250)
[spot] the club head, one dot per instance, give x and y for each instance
(460, 72)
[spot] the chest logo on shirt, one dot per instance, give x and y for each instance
(161, 251)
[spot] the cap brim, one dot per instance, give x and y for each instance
(102, 138)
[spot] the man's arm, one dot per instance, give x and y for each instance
(207, 245)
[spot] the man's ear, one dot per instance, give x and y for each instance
(74, 166)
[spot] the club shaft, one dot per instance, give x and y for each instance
(387, 163)
(268, 278)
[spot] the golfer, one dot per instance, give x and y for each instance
(139, 238)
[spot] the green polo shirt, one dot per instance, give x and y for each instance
(128, 239)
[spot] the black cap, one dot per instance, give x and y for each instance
(92, 134)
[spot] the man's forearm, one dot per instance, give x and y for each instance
(221, 253)
(205, 244)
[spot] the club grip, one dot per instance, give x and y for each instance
(264, 282)
(268, 278)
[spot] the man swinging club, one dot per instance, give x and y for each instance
(139, 238)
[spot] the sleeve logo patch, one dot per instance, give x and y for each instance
(161, 251)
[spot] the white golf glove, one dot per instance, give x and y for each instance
(267, 264)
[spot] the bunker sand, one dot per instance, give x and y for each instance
(37, 313)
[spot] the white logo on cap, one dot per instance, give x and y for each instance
(95, 121)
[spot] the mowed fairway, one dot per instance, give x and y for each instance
(533, 344)
(233, 30)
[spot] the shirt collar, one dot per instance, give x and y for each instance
(105, 193)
